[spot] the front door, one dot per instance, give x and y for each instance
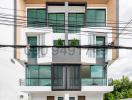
(50, 97)
(81, 97)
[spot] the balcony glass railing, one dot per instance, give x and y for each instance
(94, 82)
(38, 82)
(47, 82)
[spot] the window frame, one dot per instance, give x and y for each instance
(76, 31)
(34, 36)
(38, 78)
(98, 8)
(97, 77)
(56, 22)
(36, 8)
(102, 49)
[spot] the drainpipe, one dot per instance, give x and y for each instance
(117, 25)
(15, 27)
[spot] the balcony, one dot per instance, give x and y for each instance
(66, 55)
(84, 88)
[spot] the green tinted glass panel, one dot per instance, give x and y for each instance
(32, 53)
(38, 75)
(44, 82)
(100, 53)
(91, 16)
(45, 72)
(31, 17)
(75, 22)
(36, 17)
(32, 82)
(41, 14)
(96, 17)
(100, 18)
(32, 71)
(97, 71)
(72, 23)
(57, 22)
(94, 81)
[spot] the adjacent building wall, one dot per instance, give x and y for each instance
(21, 22)
(10, 70)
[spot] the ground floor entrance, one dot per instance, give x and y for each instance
(66, 96)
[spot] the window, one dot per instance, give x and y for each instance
(71, 98)
(85, 71)
(36, 17)
(93, 75)
(75, 22)
(66, 77)
(57, 22)
(32, 53)
(96, 17)
(100, 53)
(60, 98)
(38, 75)
(97, 71)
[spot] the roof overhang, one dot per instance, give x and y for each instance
(85, 1)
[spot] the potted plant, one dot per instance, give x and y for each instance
(74, 42)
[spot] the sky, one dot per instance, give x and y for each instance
(123, 65)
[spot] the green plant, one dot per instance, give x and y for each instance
(74, 42)
(122, 89)
(59, 42)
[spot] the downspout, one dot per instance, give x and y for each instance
(15, 26)
(117, 25)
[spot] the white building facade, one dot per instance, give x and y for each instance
(57, 73)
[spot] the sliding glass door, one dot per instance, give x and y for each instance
(66, 77)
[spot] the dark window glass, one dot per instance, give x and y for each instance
(96, 17)
(75, 22)
(32, 53)
(66, 77)
(57, 22)
(100, 53)
(85, 71)
(60, 98)
(36, 17)
(71, 98)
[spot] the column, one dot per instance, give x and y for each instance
(66, 23)
(66, 96)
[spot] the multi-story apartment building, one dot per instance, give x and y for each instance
(66, 73)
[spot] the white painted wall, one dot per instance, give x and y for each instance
(88, 95)
(10, 73)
